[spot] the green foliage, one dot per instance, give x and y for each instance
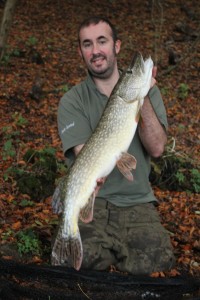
(62, 167)
(32, 155)
(180, 177)
(5, 59)
(8, 132)
(65, 88)
(62, 88)
(28, 243)
(26, 203)
(10, 136)
(181, 127)
(19, 120)
(195, 180)
(183, 90)
(32, 41)
(47, 151)
(175, 171)
(16, 52)
(164, 91)
(7, 234)
(36, 178)
(8, 149)
(13, 171)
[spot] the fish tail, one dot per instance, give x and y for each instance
(67, 250)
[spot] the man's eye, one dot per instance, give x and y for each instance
(102, 42)
(86, 45)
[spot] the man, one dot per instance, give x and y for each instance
(126, 231)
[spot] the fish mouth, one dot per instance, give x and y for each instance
(137, 62)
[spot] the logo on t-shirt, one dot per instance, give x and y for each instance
(68, 126)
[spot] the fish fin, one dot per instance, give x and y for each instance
(67, 250)
(100, 182)
(138, 113)
(57, 204)
(125, 164)
(86, 213)
(57, 198)
(130, 100)
(141, 122)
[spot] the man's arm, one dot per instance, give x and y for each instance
(77, 149)
(152, 133)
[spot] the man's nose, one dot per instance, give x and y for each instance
(95, 48)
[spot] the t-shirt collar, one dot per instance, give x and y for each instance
(91, 84)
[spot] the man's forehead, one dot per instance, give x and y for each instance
(94, 31)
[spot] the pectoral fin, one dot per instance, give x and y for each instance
(125, 164)
(138, 116)
(86, 213)
(138, 112)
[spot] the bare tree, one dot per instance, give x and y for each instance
(6, 24)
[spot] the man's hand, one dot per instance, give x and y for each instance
(100, 182)
(153, 79)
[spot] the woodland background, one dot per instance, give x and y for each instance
(41, 63)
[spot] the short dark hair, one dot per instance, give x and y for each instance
(96, 20)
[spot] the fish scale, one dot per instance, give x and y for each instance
(107, 147)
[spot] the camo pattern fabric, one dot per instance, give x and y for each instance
(132, 239)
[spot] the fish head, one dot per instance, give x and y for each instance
(135, 81)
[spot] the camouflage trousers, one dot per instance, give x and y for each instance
(132, 239)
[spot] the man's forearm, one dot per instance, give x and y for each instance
(77, 149)
(152, 133)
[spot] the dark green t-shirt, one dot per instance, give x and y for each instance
(79, 112)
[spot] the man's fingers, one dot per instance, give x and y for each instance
(101, 180)
(154, 71)
(153, 82)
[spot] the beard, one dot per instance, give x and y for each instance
(105, 72)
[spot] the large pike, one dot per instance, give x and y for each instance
(106, 148)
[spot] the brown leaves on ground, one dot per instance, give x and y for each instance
(42, 63)
(180, 214)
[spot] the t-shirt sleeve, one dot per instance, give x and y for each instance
(158, 105)
(73, 125)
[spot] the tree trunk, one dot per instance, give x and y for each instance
(6, 24)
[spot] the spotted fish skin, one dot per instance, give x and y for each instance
(107, 147)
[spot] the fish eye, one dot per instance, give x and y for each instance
(129, 71)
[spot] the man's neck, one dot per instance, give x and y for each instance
(105, 86)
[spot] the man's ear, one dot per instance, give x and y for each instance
(117, 46)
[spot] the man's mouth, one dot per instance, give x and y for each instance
(97, 59)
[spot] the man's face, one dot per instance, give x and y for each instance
(98, 50)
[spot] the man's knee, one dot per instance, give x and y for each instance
(146, 246)
(96, 257)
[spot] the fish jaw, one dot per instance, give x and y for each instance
(135, 82)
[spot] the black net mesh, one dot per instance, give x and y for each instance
(20, 281)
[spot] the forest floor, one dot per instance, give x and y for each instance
(42, 62)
